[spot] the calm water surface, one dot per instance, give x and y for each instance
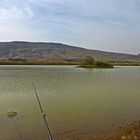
(80, 103)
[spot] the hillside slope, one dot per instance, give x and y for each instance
(39, 51)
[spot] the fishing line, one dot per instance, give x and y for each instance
(18, 131)
(11, 115)
(43, 113)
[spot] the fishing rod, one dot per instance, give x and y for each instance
(43, 114)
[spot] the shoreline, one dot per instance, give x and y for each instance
(60, 63)
(130, 131)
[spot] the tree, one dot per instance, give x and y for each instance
(89, 60)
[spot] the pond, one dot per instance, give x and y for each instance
(80, 103)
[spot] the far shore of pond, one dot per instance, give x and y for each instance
(63, 63)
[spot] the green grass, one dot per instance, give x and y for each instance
(126, 64)
(36, 63)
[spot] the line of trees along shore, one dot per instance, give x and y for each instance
(88, 62)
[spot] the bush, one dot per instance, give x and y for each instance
(99, 64)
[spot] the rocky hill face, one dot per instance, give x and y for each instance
(56, 52)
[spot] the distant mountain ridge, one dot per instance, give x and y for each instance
(56, 52)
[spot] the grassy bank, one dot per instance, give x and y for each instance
(37, 63)
(126, 64)
(98, 64)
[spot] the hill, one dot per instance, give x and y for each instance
(56, 52)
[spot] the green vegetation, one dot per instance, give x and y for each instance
(125, 63)
(36, 63)
(100, 64)
(89, 62)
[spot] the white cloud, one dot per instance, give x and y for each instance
(11, 10)
(15, 13)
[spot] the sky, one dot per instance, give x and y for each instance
(109, 25)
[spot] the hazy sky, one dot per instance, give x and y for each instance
(110, 25)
